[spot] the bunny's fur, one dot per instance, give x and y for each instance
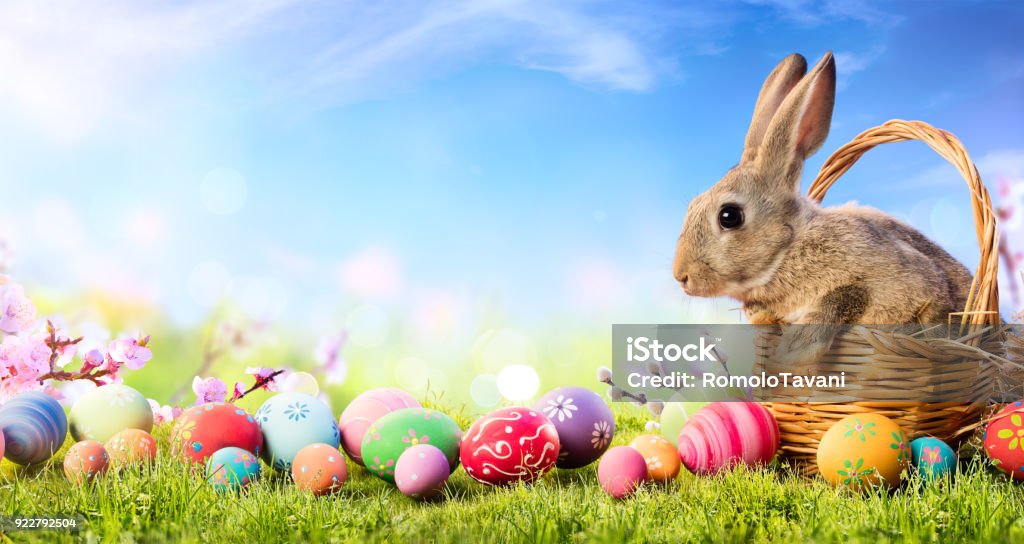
(793, 261)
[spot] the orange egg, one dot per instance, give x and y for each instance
(131, 446)
(319, 468)
(864, 450)
(85, 461)
(660, 455)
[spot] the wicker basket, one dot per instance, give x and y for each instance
(905, 359)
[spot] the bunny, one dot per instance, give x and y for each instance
(754, 237)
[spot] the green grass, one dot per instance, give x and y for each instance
(168, 503)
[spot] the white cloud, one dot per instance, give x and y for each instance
(70, 67)
(815, 12)
(849, 63)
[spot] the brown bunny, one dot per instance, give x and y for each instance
(754, 237)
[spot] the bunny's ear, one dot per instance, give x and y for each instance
(801, 125)
(779, 83)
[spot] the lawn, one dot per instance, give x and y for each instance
(168, 503)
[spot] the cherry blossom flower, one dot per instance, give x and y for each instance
(209, 390)
(92, 359)
(330, 359)
(131, 352)
(17, 313)
(267, 376)
(163, 414)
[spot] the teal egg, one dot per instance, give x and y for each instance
(231, 469)
(292, 421)
(932, 457)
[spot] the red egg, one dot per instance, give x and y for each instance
(509, 445)
(1004, 440)
(207, 428)
(621, 470)
(319, 468)
(85, 461)
(131, 446)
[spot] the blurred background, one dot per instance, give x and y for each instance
(457, 198)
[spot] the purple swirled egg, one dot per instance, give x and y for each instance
(584, 422)
(34, 427)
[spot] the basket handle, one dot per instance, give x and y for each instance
(983, 298)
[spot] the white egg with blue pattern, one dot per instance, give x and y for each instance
(292, 421)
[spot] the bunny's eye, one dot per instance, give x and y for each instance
(730, 217)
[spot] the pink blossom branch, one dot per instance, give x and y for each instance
(261, 382)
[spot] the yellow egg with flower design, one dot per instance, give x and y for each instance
(864, 450)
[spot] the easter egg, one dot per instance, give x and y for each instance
(659, 455)
(1, 444)
(674, 416)
(206, 428)
(621, 471)
(421, 471)
(393, 433)
(723, 434)
(863, 450)
(292, 421)
(34, 427)
(510, 445)
(584, 422)
(107, 410)
(319, 468)
(1004, 440)
(366, 409)
(84, 461)
(932, 457)
(131, 446)
(231, 469)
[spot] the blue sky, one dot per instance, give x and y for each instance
(443, 157)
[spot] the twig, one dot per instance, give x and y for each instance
(260, 382)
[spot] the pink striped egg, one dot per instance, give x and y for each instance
(364, 410)
(724, 434)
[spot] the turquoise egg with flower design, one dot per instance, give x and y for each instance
(232, 469)
(389, 436)
(292, 421)
(932, 457)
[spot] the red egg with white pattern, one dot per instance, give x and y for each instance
(510, 445)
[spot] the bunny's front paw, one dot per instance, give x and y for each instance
(803, 345)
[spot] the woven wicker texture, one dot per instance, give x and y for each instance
(907, 361)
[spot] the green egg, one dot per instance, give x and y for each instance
(108, 410)
(390, 435)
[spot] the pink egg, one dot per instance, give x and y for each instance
(621, 471)
(724, 434)
(421, 471)
(85, 461)
(319, 468)
(1, 445)
(364, 410)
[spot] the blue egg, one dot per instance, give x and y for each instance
(932, 457)
(291, 421)
(231, 469)
(34, 426)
